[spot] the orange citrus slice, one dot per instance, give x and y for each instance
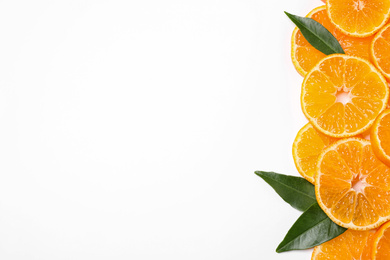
(307, 146)
(304, 56)
(381, 243)
(358, 18)
(342, 95)
(350, 245)
(380, 50)
(380, 137)
(353, 186)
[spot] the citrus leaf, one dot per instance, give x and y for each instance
(311, 229)
(316, 34)
(296, 191)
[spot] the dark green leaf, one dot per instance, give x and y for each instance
(316, 34)
(296, 191)
(311, 229)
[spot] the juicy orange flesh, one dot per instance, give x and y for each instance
(358, 16)
(365, 88)
(353, 163)
(383, 246)
(309, 145)
(384, 133)
(381, 52)
(348, 246)
(308, 56)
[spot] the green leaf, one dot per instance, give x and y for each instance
(311, 229)
(296, 191)
(316, 34)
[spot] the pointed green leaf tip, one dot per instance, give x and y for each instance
(311, 229)
(316, 34)
(296, 191)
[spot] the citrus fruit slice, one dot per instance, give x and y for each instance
(307, 146)
(304, 56)
(353, 186)
(350, 245)
(342, 95)
(358, 18)
(380, 137)
(380, 50)
(381, 243)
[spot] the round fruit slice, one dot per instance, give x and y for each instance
(358, 18)
(381, 243)
(380, 50)
(380, 137)
(342, 95)
(307, 146)
(350, 245)
(305, 56)
(353, 186)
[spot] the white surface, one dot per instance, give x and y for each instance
(131, 129)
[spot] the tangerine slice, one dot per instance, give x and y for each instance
(350, 245)
(380, 137)
(381, 243)
(380, 50)
(358, 18)
(304, 56)
(353, 186)
(342, 95)
(307, 146)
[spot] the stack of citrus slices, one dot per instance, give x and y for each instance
(344, 150)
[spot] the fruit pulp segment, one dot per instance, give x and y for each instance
(358, 16)
(353, 184)
(384, 133)
(364, 88)
(382, 243)
(380, 47)
(307, 56)
(348, 246)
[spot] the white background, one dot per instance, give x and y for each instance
(131, 129)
